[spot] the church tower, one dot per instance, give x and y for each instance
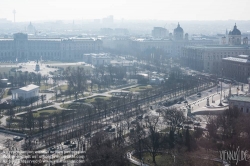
(178, 33)
(234, 36)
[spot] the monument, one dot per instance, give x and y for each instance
(208, 102)
(189, 110)
(37, 66)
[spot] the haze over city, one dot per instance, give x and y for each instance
(143, 10)
(124, 83)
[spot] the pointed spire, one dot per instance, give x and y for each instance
(235, 26)
(178, 24)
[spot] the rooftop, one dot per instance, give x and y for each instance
(240, 98)
(213, 47)
(29, 87)
(234, 59)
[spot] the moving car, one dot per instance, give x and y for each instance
(112, 130)
(17, 138)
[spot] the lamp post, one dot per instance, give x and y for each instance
(220, 94)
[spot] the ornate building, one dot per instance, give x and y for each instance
(172, 46)
(234, 36)
(178, 33)
(209, 58)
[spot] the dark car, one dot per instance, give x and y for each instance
(16, 138)
(67, 142)
(139, 117)
(72, 145)
(107, 128)
(185, 101)
(52, 149)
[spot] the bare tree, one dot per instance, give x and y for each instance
(155, 140)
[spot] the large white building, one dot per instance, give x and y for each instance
(22, 48)
(97, 59)
(26, 92)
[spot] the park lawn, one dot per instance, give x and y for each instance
(161, 160)
(6, 93)
(48, 111)
(44, 87)
(92, 99)
(71, 105)
(63, 87)
(89, 100)
(59, 99)
(139, 88)
(64, 105)
(94, 88)
(167, 159)
(5, 69)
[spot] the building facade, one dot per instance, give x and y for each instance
(21, 48)
(172, 46)
(209, 58)
(97, 59)
(234, 36)
(26, 92)
(240, 102)
(159, 32)
(237, 68)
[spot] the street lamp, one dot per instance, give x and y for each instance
(220, 94)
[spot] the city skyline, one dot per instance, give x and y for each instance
(148, 10)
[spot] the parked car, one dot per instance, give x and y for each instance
(67, 142)
(73, 145)
(112, 130)
(52, 149)
(107, 128)
(139, 117)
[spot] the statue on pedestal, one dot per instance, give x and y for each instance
(37, 66)
(208, 102)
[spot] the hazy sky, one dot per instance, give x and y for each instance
(30, 10)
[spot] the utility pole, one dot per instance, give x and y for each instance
(14, 12)
(220, 94)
